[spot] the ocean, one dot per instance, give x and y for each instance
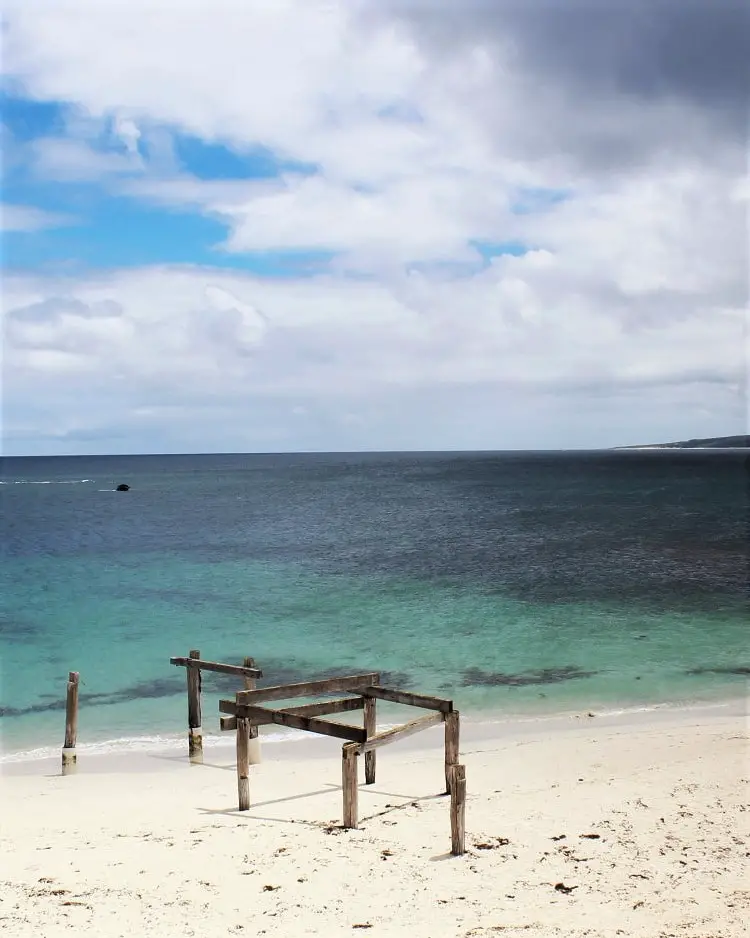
(519, 584)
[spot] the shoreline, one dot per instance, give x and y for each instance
(143, 754)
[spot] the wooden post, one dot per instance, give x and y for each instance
(254, 741)
(349, 759)
(71, 724)
(195, 732)
(458, 809)
(371, 729)
(452, 733)
(243, 764)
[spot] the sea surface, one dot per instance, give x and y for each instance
(515, 583)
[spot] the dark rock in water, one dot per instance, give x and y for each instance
(475, 677)
(122, 487)
(153, 690)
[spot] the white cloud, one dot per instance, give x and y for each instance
(172, 340)
(426, 126)
(67, 160)
(27, 218)
(127, 132)
(256, 71)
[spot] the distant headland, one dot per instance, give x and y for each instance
(712, 442)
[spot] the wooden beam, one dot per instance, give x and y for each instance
(261, 716)
(458, 810)
(452, 740)
(405, 697)
(195, 731)
(371, 729)
(252, 730)
(349, 760)
(71, 724)
(243, 765)
(342, 705)
(401, 732)
(308, 688)
(236, 669)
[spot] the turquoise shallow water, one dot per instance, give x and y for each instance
(512, 584)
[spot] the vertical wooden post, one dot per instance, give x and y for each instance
(349, 759)
(254, 744)
(458, 809)
(243, 764)
(71, 724)
(370, 728)
(452, 734)
(195, 732)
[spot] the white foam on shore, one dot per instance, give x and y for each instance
(176, 742)
(160, 744)
(676, 708)
(145, 744)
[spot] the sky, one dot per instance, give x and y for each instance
(339, 225)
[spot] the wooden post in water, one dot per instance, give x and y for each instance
(458, 809)
(254, 741)
(371, 728)
(349, 759)
(452, 734)
(195, 731)
(71, 724)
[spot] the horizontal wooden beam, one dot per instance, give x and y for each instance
(308, 688)
(260, 715)
(401, 732)
(342, 705)
(411, 700)
(216, 666)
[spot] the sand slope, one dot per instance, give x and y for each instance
(648, 825)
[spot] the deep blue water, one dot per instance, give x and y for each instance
(513, 582)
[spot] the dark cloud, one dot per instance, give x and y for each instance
(697, 49)
(692, 49)
(605, 73)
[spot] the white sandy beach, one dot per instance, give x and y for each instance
(643, 818)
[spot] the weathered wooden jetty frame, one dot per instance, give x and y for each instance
(244, 714)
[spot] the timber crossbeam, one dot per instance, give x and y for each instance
(401, 732)
(408, 698)
(342, 705)
(217, 666)
(260, 715)
(331, 685)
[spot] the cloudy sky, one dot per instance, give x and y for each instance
(274, 225)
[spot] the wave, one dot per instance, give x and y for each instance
(592, 709)
(44, 481)
(145, 744)
(173, 742)
(177, 742)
